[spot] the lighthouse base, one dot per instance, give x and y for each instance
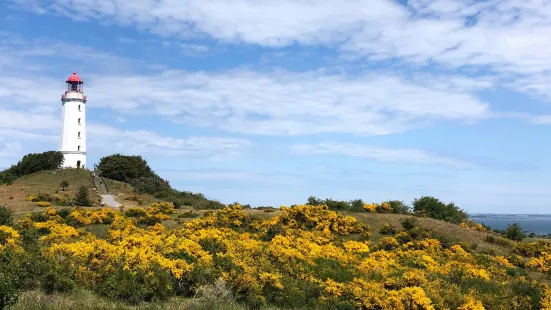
(74, 159)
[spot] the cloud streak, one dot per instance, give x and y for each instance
(113, 140)
(401, 155)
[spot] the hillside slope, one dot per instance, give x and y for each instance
(48, 182)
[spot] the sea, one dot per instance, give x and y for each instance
(539, 224)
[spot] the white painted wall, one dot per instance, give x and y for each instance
(70, 140)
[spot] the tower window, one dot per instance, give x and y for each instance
(79, 134)
(79, 107)
(79, 121)
(79, 147)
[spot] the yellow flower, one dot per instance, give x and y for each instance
(9, 239)
(472, 304)
(370, 207)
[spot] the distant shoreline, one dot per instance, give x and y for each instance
(539, 224)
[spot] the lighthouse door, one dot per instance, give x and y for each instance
(78, 164)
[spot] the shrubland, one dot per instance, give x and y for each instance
(305, 257)
(321, 255)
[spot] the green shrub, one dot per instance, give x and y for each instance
(388, 229)
(399, 207)
(432, 207)
(64, 213)
(135, 212)
(32, 163)
(148, 220)
(409, 223)
(56, 279)
(357, 205)
(148, 185)
(514, 232)
(9, 287)
(499, 240)
(18, 272)
(81, 198)
(6, 217)
(44, 197)
(39, 217)
(188, 214)
(136, 287)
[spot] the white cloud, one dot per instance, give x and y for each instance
(285, 103)
(198, 48)
(113, 140)
(9, 149)
(507, 35)
(26, 120)
(507, 39)
(208, 175)
(402, 155)
(276, 23)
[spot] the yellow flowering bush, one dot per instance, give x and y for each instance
(9, 239)
(32, 198)
(43, 204)
(304, 257)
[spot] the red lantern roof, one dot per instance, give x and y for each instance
(74, 78)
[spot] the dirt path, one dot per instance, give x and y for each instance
(110, 201)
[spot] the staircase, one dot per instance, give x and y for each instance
(103, 190)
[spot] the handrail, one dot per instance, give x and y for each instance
(104, 184)
(92, 177)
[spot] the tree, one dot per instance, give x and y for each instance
(357, 205)
(314, 201)
(399, 207)
(32, 163)
(64, 184)
(432, 207)
(81, 198)
(514, 232)
(148, 185)
(125, 168)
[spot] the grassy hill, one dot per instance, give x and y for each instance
(48, 182)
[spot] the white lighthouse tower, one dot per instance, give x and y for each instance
(73, 137)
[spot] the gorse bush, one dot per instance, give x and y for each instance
(307, 257)
(358, 205)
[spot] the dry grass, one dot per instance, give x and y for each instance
(121, 190)
(44, 182)
(447, 231)
(86, 300)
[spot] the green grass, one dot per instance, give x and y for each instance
(86, 300)
(48, 182)
(45, 182)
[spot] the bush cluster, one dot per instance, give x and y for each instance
(135, 171)
(306, 257)
(358, 205)
(434, 208)
(32, 163)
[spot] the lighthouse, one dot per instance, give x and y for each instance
(73, 136)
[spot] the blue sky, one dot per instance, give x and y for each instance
(268, 102)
